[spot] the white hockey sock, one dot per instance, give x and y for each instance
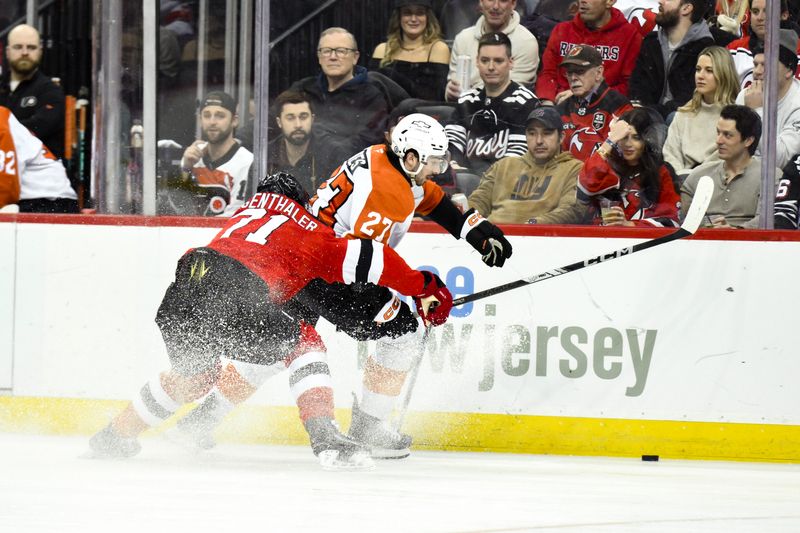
(309, 371)
(378, 405)
(153, 404)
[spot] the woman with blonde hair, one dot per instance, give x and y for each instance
(414, 54)
(692, 136)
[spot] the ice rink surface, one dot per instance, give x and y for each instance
(45, 486)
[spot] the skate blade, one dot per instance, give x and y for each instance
(187, 441)
(386, 453)
(329, 460)
(103, 456)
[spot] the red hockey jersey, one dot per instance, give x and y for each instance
(586, 124)
(618, 43)
(287, 247)
(598, 178)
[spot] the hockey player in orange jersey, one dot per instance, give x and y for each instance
(375, 195)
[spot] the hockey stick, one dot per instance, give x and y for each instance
(702, 197)
(412, 380)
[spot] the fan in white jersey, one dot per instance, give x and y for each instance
(217, 163)
(30, 175)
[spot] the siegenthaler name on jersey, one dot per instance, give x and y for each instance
(282, 204)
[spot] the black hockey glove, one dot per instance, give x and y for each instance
(435, 302)
(485, 237)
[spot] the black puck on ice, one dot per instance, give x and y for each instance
(649, 458)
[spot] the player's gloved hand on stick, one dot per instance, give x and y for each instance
(485, 237)
(435, 302)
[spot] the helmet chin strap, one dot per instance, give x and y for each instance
(411, 173)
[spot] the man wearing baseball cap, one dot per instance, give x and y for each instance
(788, 122)
(217, 163)
(597, 23)
(588, 111)
(539, 187)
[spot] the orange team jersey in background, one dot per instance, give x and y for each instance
(369, 198)
(9, 170)
(28, 169)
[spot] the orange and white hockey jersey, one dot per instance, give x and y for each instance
(28, 169)
(370, 198)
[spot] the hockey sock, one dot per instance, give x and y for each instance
(238, 381)
(382, 386)
(311, 385)
(377, 405)
(150, 408)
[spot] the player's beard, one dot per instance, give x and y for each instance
(667, 19)
(298, 137)
(25, 65)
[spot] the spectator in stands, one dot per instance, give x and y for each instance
(737, 175)
(664, 72)
(599, 25)
(731, 17)
(36, 101)
(787, 196)
(34, 181)
(691, 140)
(742, 49)
(217, 163)
(587, 113)
(788, 20)
(349, 109)
(489, 123)
(414, 54)
(498, 16)
(298, 150)
(538, 187)
(788, 121)
(626, 180)
(640, 13)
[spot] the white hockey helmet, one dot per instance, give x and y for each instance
(423, 134)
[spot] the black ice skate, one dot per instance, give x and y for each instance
(196, 429)
(108, 444)
(336, 451)
(384, 441)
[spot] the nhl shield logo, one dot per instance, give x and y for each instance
(598, 121)
(29, 101)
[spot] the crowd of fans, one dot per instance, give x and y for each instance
(608, 116)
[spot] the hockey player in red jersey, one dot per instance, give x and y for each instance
(242, 296)
(375, 195)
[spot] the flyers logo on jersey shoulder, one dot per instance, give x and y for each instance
(357, 161)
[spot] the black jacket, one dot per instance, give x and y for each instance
(310, 170)
(38, 104)
(647, 81)
(352, 117)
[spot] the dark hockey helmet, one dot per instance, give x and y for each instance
(285, 184)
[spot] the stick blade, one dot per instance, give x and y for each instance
(697, 210)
